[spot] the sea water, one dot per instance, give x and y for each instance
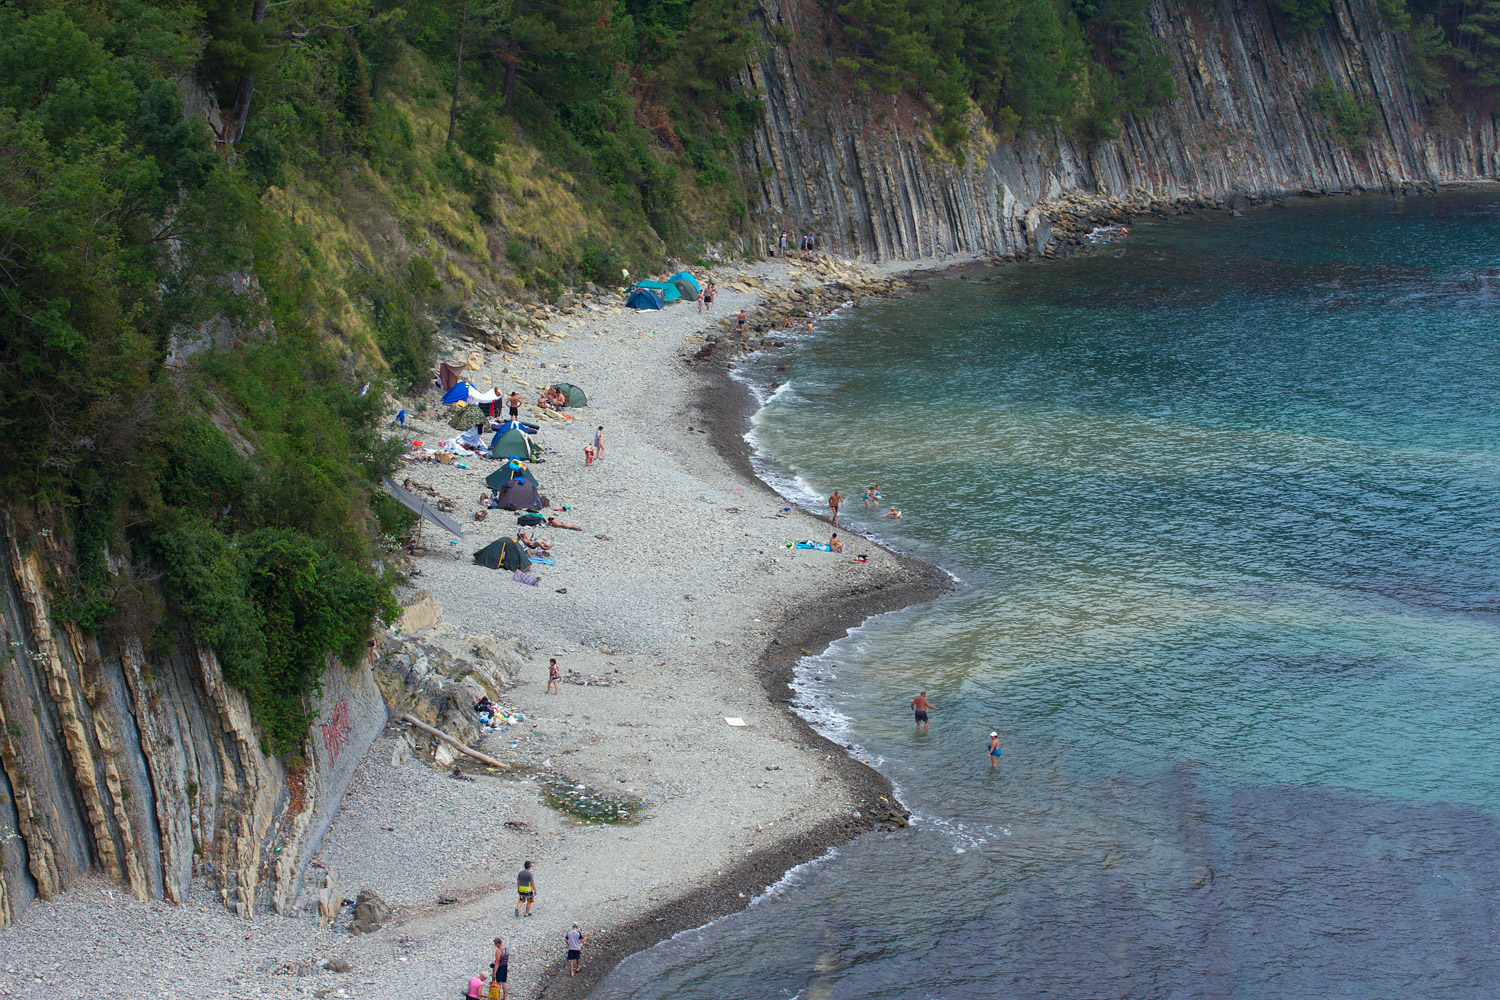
(1225, 505)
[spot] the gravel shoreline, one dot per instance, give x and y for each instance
(681, 596)
(726, 406)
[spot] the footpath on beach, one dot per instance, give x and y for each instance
(662, 782)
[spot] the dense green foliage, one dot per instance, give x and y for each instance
(1023, 63)
(240, 475)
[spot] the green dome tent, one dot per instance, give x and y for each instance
(513, 443)
(507, 473)
(686, 285)
(574, 394)
(503, 553)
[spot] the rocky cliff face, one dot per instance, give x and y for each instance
(145, 765)
(858, 169)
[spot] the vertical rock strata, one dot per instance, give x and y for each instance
(863, 171)
(148, 768)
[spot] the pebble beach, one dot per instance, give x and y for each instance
(677, 607)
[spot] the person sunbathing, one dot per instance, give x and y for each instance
(835, 544)
(553, 522)
(533, 544)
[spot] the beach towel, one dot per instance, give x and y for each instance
(526, 578)
(543, 560)
(819, 546)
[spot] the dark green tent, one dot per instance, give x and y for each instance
(512, 443)
(574, 394)
(501, 477)
(503, 553)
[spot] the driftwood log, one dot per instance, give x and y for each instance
(455, 744)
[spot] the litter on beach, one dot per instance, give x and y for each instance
(736, 721)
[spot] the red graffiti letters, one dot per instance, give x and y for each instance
(336, 730)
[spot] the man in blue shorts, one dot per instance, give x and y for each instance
(920, 705)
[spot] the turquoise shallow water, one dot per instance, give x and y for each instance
(1225, 508)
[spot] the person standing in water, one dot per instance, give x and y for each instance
(872, 497)
(994, 750)
(834, 503)
(920, 705)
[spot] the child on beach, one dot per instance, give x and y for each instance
(553, 676)
(588, 454)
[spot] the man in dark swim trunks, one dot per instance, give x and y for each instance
(513, 401)
(920, 705)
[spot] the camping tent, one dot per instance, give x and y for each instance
(467, 417)
(509, 472)
(464, 392)
(644, 298)
(510, 441)
(669, 292)
(448, 376)
(519, 495)
(572, 393)
(686, 285)
(503, 553)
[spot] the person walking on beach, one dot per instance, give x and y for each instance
(994, 750)
(576, 940)
(834, 503)
(739, 322)
(500, 968)
(708, 296)
(920, 705)
(525, 886)
(553, 676)
(599, 443)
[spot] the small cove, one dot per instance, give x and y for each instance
(1224, 508)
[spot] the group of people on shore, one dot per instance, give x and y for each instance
(807, 243)
(499, 971)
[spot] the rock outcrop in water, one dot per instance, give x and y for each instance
(860, 170)
(144, 765)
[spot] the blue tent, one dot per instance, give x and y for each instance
(459, 392)
(644, 298)
(689, 277)
(666, 289)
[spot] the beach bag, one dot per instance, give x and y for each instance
(530, 520)
(494, 991)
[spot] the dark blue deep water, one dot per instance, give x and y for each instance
(1225, 507)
